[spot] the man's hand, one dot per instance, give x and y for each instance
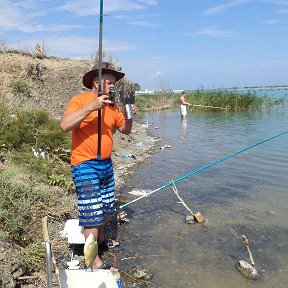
(101, 101)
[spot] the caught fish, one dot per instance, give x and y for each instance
(247, 270)
(90, 250)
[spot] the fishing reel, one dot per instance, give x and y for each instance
(112, 96)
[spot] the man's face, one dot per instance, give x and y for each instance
(108, 81)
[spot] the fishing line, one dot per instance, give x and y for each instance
(235, 234)
(207, 106)
(203, 168)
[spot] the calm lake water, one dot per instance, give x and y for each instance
(247, 193)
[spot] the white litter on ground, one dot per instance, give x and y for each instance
(139, 192)
(73, 232)
(73, 264)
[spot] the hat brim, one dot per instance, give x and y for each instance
(88, 77)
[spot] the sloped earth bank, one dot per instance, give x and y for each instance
(129, 150)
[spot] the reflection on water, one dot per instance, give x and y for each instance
(247, 193)
(183, 136)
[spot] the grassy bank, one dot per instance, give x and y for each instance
(32, 182)
(227, 100)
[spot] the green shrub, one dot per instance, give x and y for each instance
(34, 256)
(34, 128)
(21, 88)
(62, 181)
(52, 140)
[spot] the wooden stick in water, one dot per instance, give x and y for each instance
(197, 216)
(177, 194)
(246, 244)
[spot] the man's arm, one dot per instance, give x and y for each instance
(126, 127)
(73, 119)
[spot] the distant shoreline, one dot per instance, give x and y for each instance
(240, 88)
(243, 88)
(259, 87)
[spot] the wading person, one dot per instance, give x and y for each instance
(93, 173)
(183, 105)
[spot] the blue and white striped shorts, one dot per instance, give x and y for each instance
(94, 180)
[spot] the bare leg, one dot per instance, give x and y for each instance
(101, 233)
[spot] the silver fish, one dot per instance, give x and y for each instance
(247, 270)
(90, 250)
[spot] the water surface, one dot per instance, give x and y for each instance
(246, 193)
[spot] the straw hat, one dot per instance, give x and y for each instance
(106, 68)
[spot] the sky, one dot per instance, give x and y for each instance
(161, 44)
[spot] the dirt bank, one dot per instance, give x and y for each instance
(51, 82)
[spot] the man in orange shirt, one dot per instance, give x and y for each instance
(91, 163)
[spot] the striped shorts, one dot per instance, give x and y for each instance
(94, 181)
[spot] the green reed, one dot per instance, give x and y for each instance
(229, 101)
(225, 99)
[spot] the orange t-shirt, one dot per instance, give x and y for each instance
(85, 137)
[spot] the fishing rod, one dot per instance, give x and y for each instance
(215, 107)
(203, 168)
(100, 78)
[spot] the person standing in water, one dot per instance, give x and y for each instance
(183, 105)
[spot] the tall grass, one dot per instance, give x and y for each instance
(159, 101)
(221, 98)
(228, 100)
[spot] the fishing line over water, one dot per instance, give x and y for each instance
(203, 168)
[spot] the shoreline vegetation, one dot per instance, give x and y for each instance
(35, 177)
(202, 99)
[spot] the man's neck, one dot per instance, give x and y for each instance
(94, 92)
